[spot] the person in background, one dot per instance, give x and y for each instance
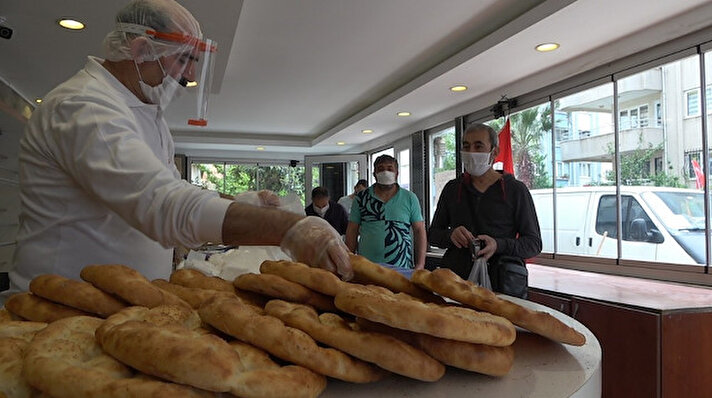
(347, 200)
(496, 208)
(322, 206)
(382, 217)
(98, 184)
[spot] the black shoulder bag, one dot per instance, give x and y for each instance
(508, 274)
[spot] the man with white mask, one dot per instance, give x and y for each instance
(382, 217)
(98, 184)
(485, 204)
(322, 206)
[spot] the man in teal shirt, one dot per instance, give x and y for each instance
(383, 215)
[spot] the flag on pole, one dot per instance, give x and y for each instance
(505, 149)
(699, 176)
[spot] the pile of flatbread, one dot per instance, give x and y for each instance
(282, 332)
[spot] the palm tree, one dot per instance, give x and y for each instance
(526, 137)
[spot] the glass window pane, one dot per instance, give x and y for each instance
(404, 168)
(442, 163)
(587, 158)
(660, 158)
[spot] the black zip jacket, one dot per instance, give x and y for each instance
(505, 211)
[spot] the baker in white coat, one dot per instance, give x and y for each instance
(97, 180)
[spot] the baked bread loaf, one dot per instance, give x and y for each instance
(231, 316)
(65, 361)
(24, 330)
(367, 272)
(6, 316)
(383, 350)
(15, 336)
(192, 295)
(402, 311)
(195, 278)
(446, 283)
(128, 284)
(480, 358)
(316, 279)
(33, 308)
(278, 287)
(76, 294)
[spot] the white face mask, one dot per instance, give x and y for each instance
(321, 211)
(476, 163)
(163, 93)
(386, 178)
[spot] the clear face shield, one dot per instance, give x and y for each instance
(186, 63)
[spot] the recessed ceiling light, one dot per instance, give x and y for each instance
(70, 24)
(38, 100)
(458, 88)
(260, 148)
(340, 143)
(403, 114)
(367, 131)
(545, 47)
(191, 84)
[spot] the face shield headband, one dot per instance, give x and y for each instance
(193, 65)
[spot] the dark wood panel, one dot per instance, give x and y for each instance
(558, 303)
(687, 355)
(631, 347)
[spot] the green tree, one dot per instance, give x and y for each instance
(527, 128)
(635, 167)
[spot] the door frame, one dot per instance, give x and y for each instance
(310, 161)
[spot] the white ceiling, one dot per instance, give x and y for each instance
(297, 76)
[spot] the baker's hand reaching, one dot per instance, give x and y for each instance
(313, 241)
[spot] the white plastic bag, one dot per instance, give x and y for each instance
(479, 274)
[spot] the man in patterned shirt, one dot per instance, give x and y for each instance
(382, 217)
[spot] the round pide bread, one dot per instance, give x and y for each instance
(383, 350)
(233, 317)
(64, 361)
(447, 283)
(164, 342)
(76, 294)
(403, 312)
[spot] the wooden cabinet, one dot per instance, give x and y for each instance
(647, 353)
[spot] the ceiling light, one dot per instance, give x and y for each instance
(546, 47)
(367, 131)
(403, 114)
(260, 148)
(70, 24)
(340, 143)
(38, 100)
(458, 88)
(191, 84)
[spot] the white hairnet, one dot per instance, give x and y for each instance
(164, 16)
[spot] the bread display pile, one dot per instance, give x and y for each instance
(280, 333)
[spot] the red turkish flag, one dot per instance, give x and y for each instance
(699, 176)
(505, 148)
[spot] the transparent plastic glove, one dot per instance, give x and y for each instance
(263, 198)
(313, 241)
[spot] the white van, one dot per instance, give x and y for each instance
(658, 224)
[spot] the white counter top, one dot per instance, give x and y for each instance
(542, 368)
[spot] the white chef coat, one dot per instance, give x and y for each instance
(98, 185)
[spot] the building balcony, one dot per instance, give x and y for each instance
(596, 148)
